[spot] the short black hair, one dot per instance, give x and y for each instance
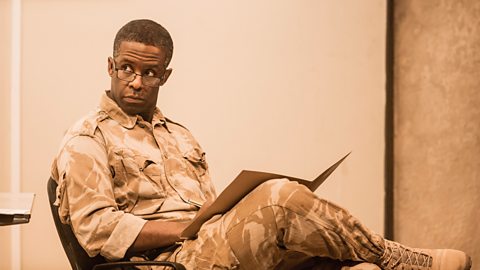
(146, 32)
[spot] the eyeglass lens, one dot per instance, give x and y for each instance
(130, 76)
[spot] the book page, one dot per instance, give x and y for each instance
(15, 208)
(16, 203)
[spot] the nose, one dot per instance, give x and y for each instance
(137, 82)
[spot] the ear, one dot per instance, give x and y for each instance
(165, 76)
(110, 66)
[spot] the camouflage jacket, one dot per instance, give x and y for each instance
(115, 171)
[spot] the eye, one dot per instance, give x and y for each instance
(150, 73)
(127, 69)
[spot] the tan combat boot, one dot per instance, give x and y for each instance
(397, 256)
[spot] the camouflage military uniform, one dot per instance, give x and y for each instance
(277, 217)
(114, 171)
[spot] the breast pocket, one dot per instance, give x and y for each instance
(135, 178)
(195, 158)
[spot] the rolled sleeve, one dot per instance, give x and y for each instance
(100, 227)
(122, 237)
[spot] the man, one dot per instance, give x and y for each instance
(130, 180)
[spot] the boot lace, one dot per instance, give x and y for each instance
(396, 254)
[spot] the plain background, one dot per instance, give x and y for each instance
(281, 86)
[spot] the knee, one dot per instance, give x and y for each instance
(284, 193)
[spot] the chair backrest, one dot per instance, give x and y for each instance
(78, 258)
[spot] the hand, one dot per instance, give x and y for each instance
(157, 233)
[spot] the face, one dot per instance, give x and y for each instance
(136, 98)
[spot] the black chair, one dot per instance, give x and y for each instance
(78, 258)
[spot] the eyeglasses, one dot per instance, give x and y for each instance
(127, 74)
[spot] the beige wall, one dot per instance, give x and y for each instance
(437, 131)
(272, 85)
(5, 26)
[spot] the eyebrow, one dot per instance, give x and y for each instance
(126, 60)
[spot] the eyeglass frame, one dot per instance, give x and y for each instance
(136, 74)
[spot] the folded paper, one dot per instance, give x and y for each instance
(245, 182)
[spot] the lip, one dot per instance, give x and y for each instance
(132, 99)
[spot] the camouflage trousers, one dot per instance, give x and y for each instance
(278, 217)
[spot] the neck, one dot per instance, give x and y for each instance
(147, 116)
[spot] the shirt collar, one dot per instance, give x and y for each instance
(111, 108)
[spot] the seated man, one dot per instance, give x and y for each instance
(130, 180)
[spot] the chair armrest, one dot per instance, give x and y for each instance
(111, 265)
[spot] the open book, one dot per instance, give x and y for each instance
(15, 208)
(245, 182)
